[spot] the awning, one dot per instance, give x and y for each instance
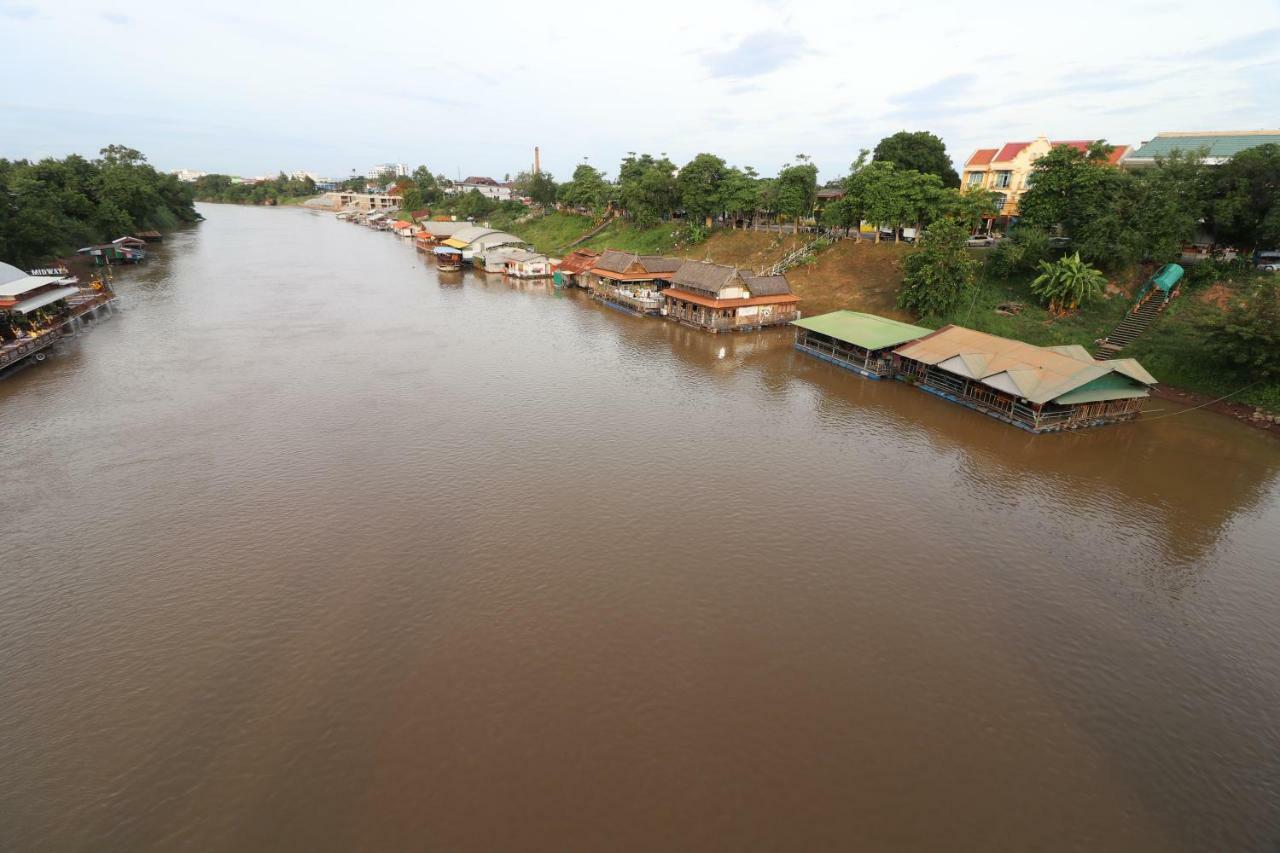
(456, 243)
(40, 300)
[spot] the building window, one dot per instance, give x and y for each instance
(975, 179)
(1000, 199)
(1003, 179)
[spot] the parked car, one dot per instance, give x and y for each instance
(980, 240)
(1059, 242)
(1272, 266)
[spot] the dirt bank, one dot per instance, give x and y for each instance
(1246, 414)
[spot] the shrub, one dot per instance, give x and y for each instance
(1068, 282)
(939, 272)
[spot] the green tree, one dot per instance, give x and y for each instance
(939, 273)
(740, 192)
(1245, 211)
(411, 200)
(1080, 196)
(1020, 252)
(1248, 334)
(700, 184)
(588, 188)
(647, 188)
(539, 186)
(880, 192)
(428, 186)
(54, 206)
(969, 206)
(1068, 282)
(797, 189)
(1159, 209)
(920, 151)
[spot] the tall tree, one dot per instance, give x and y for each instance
(921, 151)
(740, 192)
(797, 189)
(1079, 195)
(428, 186)
(1246, 208)
(647, 187)
(700, 186)
(587, 188)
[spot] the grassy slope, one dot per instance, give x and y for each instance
(548, 234)
(553, 232)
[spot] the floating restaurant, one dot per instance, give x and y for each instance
(37, 311)
(632, 282)
(1039, 389)
(720, 298)
(863, 343)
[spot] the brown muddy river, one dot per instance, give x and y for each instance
(310, 549)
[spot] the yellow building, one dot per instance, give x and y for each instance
(1006, 170)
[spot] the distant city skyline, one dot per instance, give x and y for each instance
(245, 89)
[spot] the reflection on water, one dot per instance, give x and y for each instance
(316, 547)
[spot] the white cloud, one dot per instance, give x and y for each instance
(331, 86)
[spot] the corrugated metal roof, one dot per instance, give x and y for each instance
(522, 256)
(22, 283)
(578, 261)
(8, 273)
(40, 300)
(1039, 374)
(1221, 145)
(864, 330)
(445, 229)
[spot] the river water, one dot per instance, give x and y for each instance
(312, 548)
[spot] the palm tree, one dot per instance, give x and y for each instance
(1068, 282)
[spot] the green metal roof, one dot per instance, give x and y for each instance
(1111, 386)
(863, 330)
(1220, 145)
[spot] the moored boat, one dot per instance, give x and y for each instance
(448, 258)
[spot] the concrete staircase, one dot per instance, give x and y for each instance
(1133, 325)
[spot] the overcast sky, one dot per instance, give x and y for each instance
(256, 87)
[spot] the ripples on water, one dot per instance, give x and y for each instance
(308, 548)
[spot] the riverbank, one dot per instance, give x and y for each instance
(863, 276)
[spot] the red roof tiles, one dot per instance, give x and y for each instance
(1009, 151)
(981, 157)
